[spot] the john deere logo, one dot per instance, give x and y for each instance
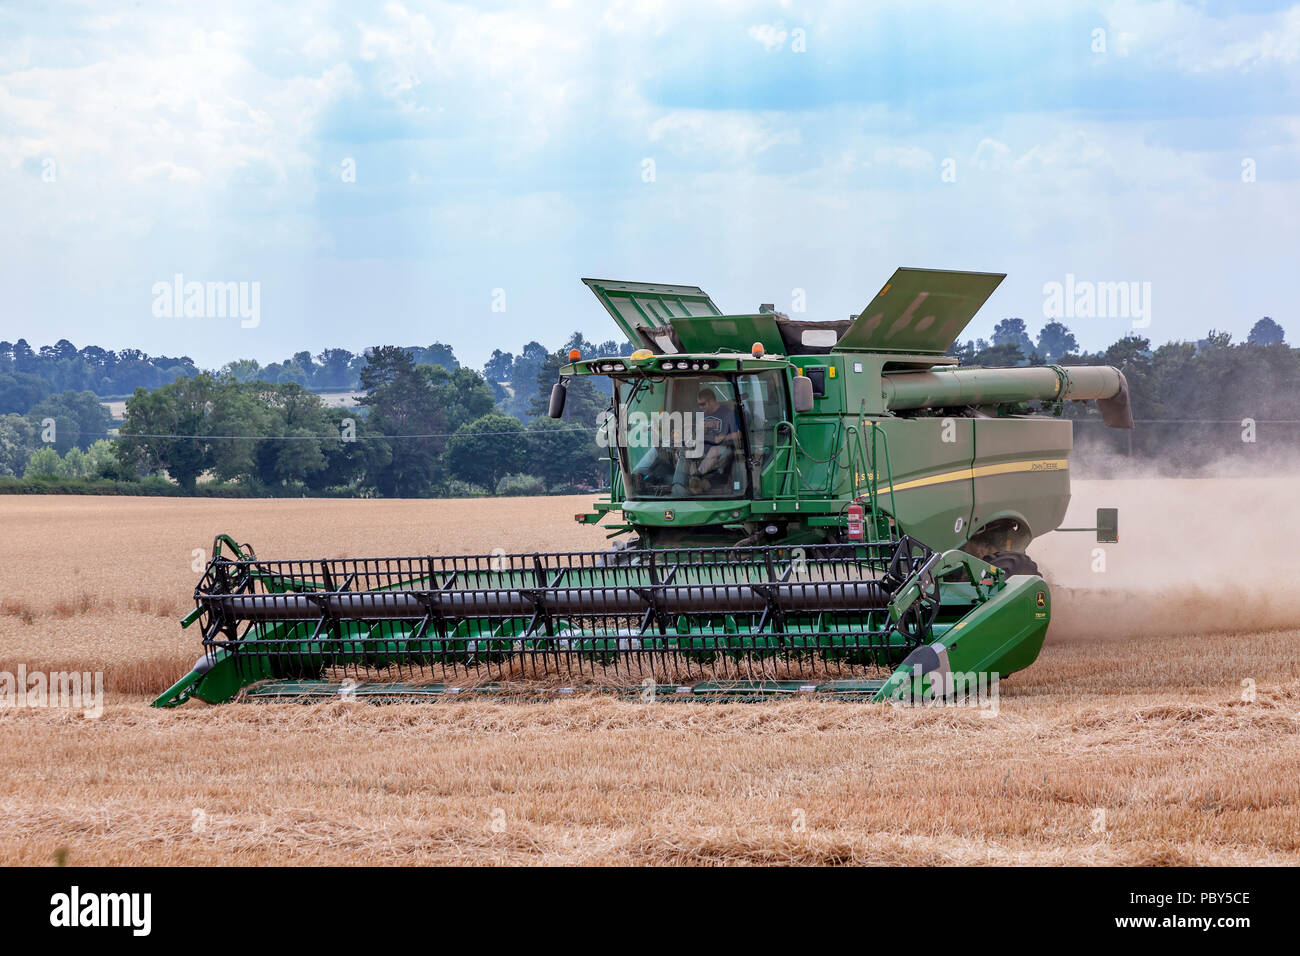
(1041, 600)
(668, 515)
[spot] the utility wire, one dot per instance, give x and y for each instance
(336, 437)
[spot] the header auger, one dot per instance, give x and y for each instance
(830, 508)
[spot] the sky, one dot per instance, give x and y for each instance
(406, 173)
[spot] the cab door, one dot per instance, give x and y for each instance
(764, 404)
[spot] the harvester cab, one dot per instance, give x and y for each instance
(758, 429)
(831, 508)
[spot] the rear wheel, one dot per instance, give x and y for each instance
(1013, 562)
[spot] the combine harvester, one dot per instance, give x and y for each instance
(826, 507)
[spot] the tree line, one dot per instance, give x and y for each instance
(1195, 404)
(28, 375)
(424, 425)
(419, 428)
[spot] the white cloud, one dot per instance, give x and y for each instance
(912, 158)
(771, 36)
(157, 101)
(991, 154)
(1277, 44)
(725, 135)
(156, 172)
(1181, 35)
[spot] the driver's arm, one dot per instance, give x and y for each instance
(732, 437)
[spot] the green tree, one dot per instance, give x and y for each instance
(523, 379)
(44, 463)
(19, 391)
(463, 393)
(1002, 355)
(77, 464)
(1055, 340)
(104, 462)
(498, 366)
(241, 414)
(297, 430)
(17, 442)
(241, 370)
(562, 453)
(436, 354)
(964, 352)
(1012, 332)
(403, 407)
(334, 369)
(1266, 332)
(352, 456)
(80, 419)
(165, 429)
(486, 449)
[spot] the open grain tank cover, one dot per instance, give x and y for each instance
(919, 311)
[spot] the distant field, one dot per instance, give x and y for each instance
(1128, 742)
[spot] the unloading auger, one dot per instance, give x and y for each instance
(832, 508)
(684, 623)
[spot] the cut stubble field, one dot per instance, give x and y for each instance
(1160, 726)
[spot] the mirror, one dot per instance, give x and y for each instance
(803, 394)
(1107, 525)
(558, 393)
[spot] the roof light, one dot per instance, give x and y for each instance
(757, 350)
(640, 354)
(574, 355)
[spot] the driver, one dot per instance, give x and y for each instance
(721, 433)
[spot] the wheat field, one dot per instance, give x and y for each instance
(1160, 726)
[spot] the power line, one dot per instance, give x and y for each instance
(523, 432)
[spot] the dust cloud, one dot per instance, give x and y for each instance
(1195, 556)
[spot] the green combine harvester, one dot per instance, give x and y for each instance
(833, 508)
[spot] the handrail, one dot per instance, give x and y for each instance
(849, 442)
(889, 469)
(788, 475)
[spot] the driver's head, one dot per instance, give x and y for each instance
(708, 401)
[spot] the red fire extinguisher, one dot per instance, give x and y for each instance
(856, 523)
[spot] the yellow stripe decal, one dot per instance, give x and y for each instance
(983, 471)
